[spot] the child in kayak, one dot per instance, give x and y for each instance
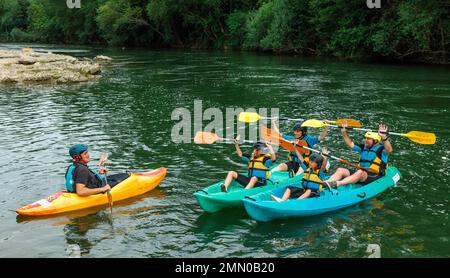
(300, 134)
(312, 181)
(374, 155)
(258, 166)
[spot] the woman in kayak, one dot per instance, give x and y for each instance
(83, 180)
(300, 134)
(374, 154)
(258, 166)
(312, 180)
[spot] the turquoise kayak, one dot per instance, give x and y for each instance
(211, 199)
(261, 208)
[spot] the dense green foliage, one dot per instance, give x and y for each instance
(403, 29)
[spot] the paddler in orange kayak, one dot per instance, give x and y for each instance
(85, 181)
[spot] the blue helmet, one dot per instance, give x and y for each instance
(317, 158)
(77, 149)
(299, 127)
(259, 145)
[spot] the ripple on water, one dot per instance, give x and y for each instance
(127, 113)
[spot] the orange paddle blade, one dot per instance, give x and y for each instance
(350, 122)
(274, 137)
(205, 137)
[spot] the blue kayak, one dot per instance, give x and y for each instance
(261, 208)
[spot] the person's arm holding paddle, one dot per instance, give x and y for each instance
(347, 139)
(81, 181)
(302, 160)
(324, 153)
(324, 133)
(83, 190)
(273, 156)
(383, 129)
(274, 125)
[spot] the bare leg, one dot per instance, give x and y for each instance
(360, 175)
(280, 168)
(232, 175)
(339, 174)
(306, 194)
(252, 183)
(286, 194)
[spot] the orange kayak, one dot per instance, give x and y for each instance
(63, 201)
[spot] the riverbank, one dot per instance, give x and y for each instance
(28, 66)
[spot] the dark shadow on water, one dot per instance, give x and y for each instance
(214, 222)
(237, 217)
(300, 226)
(77, 224)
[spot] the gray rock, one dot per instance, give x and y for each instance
(29, 68)
(26, 60)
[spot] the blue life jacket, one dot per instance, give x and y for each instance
(373, 159)
(70, 183)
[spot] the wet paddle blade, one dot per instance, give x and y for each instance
(421, 137)
(249, 117)
(103, 159)
(205, 137)
(350, 122)
(110, 200)
(313, 123)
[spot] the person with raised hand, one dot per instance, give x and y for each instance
(258, 166)
(300, 137)
(374, 156)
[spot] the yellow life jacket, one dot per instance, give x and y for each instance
(372, 158)
(311, 180)
(257, 168)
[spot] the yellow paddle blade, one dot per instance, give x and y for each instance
(249, 117)
(350, 122)
(205, 137)
(313, 123)
(421, 137)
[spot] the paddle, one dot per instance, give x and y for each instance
(250, 117)
(272, 136)
(203, 137)
(103, 159)
(415, 136)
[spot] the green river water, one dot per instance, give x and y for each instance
(128, 114)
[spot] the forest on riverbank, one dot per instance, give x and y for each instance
(401, 30)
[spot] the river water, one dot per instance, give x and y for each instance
(127, 113)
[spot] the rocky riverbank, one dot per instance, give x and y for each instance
(27, 66)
